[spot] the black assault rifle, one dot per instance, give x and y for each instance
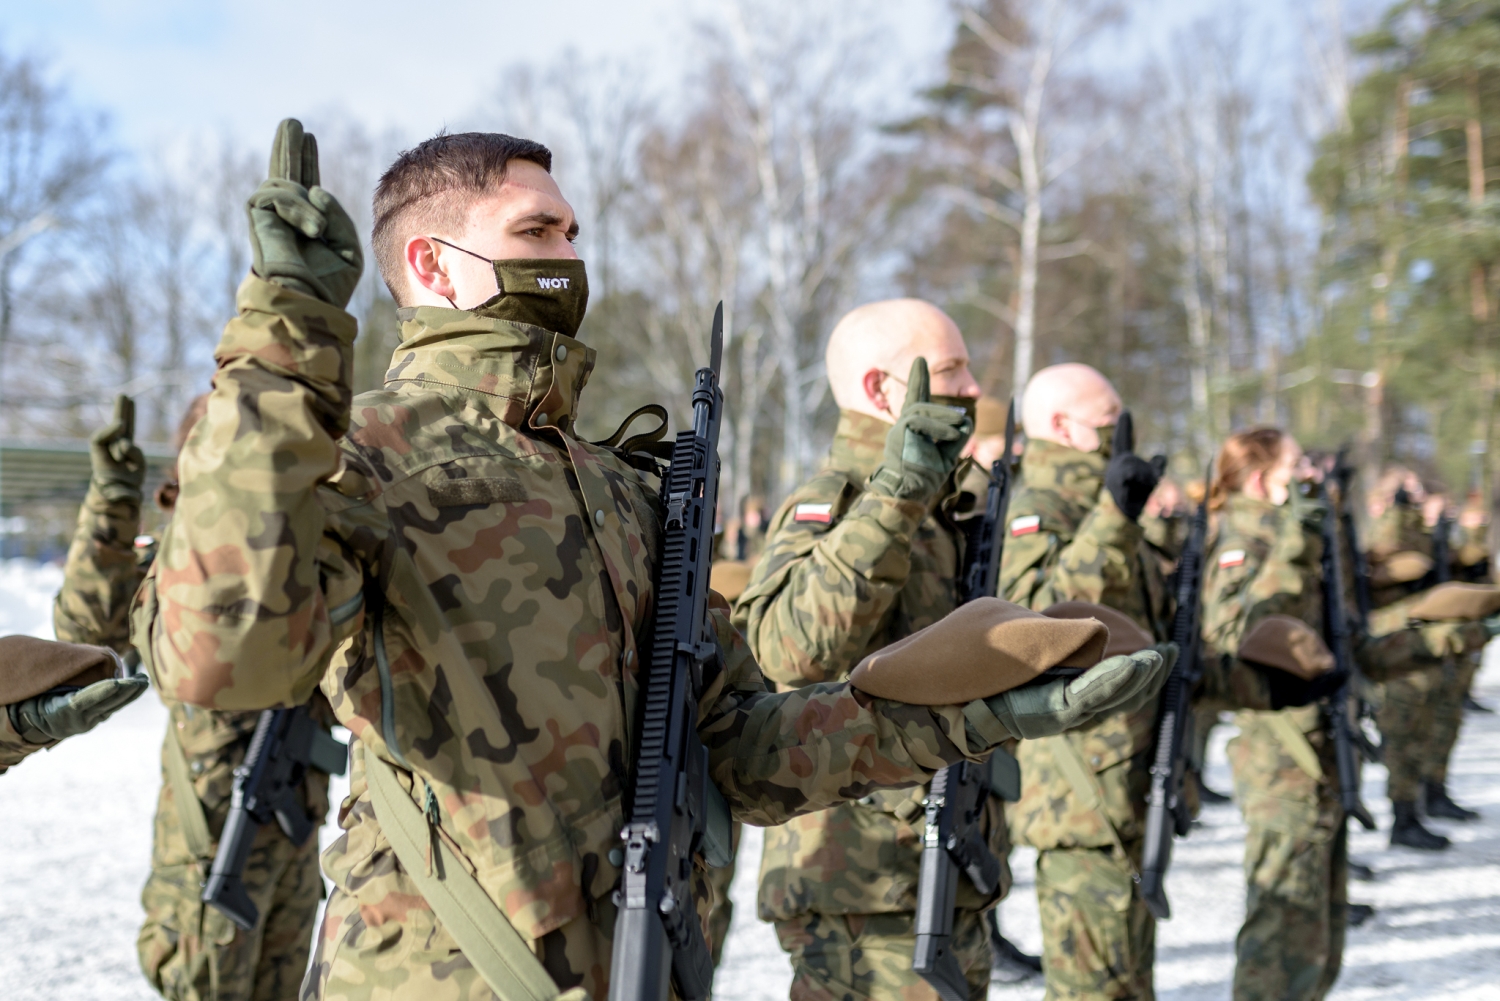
(954, 842)
(1167, 814)
(1364, 713)
(1339, 710)
(267, 787)
(675, 812)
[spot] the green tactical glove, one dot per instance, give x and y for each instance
(1492, 626)
(47, 717)
(300, 236)
(1117, 685)
(925, 444)
(119, 465)
(1308, 509)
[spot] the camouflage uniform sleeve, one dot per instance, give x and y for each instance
(101, 574)
(776, 756)
(1096, 565)
(820, 590)
(13, 749)
(242, 620)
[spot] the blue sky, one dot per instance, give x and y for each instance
(163, 68)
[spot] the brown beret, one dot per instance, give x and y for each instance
(29, 666)
(983, 648)
(989, 416)
(1287, 644)
(1457, 601)
(1400, 568)
(1125, 635)
(729, 577)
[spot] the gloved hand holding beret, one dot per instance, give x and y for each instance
(1116, 685)
(47, 717)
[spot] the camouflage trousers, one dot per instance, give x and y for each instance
(1291, 945)
(1407, 728)
(855, 957)
(190, 951)
(1098, 936)
(1448, 715)
(722, 914)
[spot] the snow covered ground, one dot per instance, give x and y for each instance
(75, 830)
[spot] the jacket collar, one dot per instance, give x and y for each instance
(1046, 465)
(858, 444)
(525, 375)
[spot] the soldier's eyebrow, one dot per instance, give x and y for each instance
(546, 218)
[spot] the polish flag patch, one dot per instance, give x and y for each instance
(1027, 525)
(1231, 558)
(820, 513)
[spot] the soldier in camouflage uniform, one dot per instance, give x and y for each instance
(467, 581)
(851, 567)
(1264, 558)
(1074, 535)
(188, 950)
(1399, 533)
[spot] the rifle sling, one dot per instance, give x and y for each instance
(1294, 742)
(484, 934)
(189, 808)
(1088, 790)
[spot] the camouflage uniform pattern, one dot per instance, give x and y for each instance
(845, 957)
(510, 572)
(189, 951)
(1448, 701)
(823, 596)
(1291, 944)
(1098, 937)
(14, 750)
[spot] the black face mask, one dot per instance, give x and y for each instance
(551, 293)
(968, 404)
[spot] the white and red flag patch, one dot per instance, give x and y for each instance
(820, 513)
(1231, 558)
(1025, 526)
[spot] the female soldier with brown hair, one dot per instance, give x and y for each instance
(1262, 609)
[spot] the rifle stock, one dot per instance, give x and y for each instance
(658, 939)
(953, 843)
(1167, 814)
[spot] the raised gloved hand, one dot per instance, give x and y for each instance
(1129, 478)
(925, 444)
(1308, 505)
(119, 466)
(47, 717)
(1117, 685)
(300, 236)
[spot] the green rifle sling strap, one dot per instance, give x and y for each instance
(485, 935)
(1294, 742)
(189, 808)
(1088, 790)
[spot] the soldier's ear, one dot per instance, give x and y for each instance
(873, 383)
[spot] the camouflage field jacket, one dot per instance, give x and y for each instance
(844, 573)
(508, 568)
(1067, 541)
(1262, 561)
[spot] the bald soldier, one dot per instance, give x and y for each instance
(855, 561)
(1074, 534)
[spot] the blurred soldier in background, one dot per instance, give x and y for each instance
(1074, 534)
(188, 950)
(852, 564)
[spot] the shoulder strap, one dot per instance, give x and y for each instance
(488, 940)
(189, 808)
(1088, 790)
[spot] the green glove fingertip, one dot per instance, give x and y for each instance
(918, 384)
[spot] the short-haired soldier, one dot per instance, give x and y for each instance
(468, 582)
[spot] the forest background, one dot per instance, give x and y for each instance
(1264, 214)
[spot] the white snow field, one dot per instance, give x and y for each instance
(75, 830)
